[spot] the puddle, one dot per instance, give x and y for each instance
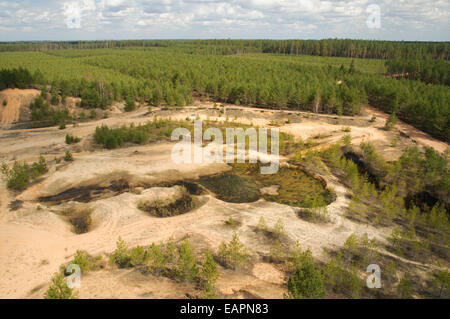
(232, 188)
(243, 184)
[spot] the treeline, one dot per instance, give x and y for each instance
(326, 47)
(63, 45)
(161, 76)
(426, 70)
(171, 79)
(422, 105)
(270, 81)
(17, 78)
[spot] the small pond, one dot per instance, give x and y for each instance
(290, 186)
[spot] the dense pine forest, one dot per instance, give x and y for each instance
(328, 47)
(427, 70)
(332, 76)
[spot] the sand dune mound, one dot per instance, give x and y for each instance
(16, 105)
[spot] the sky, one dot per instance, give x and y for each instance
(409, 20)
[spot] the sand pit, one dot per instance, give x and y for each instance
(36, 241)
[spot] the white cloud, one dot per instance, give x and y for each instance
(415, 19)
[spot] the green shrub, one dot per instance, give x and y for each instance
(347, 140)
(231, 222)
(81, 260)
(278, 230)
(70, 139)
(156, 259)
(394, 142)
(113, 138)
(54, 100)
(298, 257)
(39, 168)
(209, 275)
(340, 279)
(92, 114)
(232, 254)
(262, 226)
(129, 105)
(346, 129)
(276, 252)
(68, 157)
(209, 272)
(59, 289)
(391, 122)
(170, 251)
(18, 176)
(138, 256)
(121, 256)
(404, 288)
(187, 265)
(307, 282)
(85, 261)
(442, 281)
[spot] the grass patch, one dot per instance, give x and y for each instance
(70, 139)
(232, 188)
(168, 208)
(79, 218)
(243, 183)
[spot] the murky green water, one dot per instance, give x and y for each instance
(243, 184)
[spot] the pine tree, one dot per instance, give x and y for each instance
(391, 121)
(307, 282)
(59, 289)
(209, 275)
(187, 264)
(261, 224)
(404, 288)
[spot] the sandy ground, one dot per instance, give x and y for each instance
(413, 133)
(17, 104)
(34, 243)
(40, 240)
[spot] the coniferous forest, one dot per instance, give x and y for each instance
(332, 76)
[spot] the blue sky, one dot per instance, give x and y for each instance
(422, 20)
